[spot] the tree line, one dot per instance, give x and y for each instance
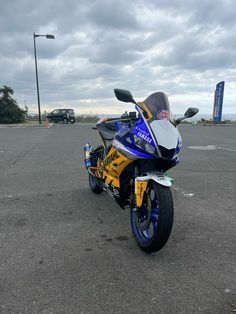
(10, 112)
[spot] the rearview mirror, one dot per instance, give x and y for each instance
(124, 95)
(191, 112)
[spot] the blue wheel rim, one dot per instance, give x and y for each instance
(145, 222)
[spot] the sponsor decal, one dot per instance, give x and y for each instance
(116, 192)
(144, 137)
(166, 181)
(112, 191)
(142, 131)
(143, 134)
(161, 178)
(140, 188)
(119, 164)
(163, 114)
(124, 126)
(129, 140)
(110, 158)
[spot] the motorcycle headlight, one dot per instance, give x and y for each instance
(144, 145)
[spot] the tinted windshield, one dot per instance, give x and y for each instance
(158, 106)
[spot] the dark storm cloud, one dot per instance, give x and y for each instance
(181, 47)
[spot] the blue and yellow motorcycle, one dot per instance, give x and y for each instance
(131, 165)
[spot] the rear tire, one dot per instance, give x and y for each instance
(152, 225)
(94, 184)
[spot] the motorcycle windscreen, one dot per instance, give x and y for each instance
(159, 120)
(157, 107)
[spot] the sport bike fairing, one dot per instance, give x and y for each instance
(155, 127)
(152, 137)
(166, 133)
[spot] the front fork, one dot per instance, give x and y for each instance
(141, 184)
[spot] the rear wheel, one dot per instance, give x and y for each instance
(95, 184)
(152, 224)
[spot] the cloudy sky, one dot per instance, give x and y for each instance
(180, 47)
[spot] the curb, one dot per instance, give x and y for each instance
(24, 126)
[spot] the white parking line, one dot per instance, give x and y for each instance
(212, 147)
(229, 149)
(182, 192)
(206, 147)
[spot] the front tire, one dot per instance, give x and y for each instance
(94, 184)
(152, 224)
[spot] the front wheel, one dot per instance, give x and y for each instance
(152, 224)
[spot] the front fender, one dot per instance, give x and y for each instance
(141, 184)
(161, 179)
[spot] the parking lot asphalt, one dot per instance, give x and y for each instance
(64, 249)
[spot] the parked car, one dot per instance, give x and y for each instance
(64, 115)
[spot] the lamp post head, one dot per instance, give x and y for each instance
(49, 36)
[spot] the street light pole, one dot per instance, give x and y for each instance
(48, 36)
(37, 80)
